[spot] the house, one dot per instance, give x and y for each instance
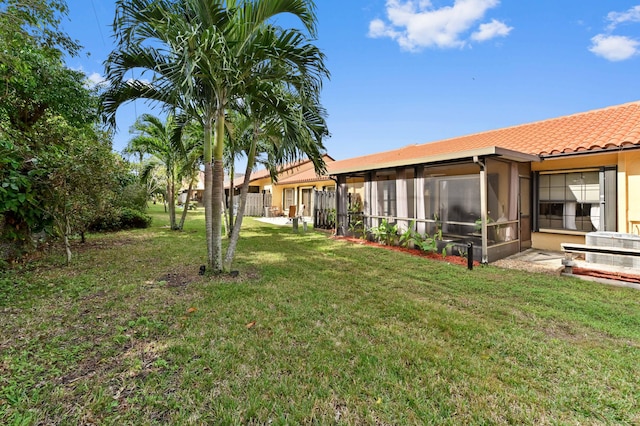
(532, 185)
(197, 190)
(294, 186)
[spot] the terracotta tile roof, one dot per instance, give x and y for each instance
(302, 177)
(287, 172)
(613, 127)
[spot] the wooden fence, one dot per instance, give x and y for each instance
(255, 204)
(324, 214)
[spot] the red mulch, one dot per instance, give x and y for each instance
(456, 260)
(618, 276)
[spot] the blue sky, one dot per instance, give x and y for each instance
(406, 72)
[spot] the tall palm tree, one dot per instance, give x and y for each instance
(202, 56)
(191, 145)
(284, 126)
(158, 138)
(238, 141)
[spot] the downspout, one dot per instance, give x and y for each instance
(483, 206)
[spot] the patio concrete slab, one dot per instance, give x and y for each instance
(284, 221)
(551, 262)
(535, 261)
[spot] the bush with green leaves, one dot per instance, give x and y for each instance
(118, 219)
(385, 233)
(133, 219)
(430, 244)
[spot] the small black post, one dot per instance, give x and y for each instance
(470, 256)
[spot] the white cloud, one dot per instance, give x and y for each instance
(96, 79)
(616, 18)
(614, 48)
(491, 30)
(415, 25)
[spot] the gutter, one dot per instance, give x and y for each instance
(590, 152)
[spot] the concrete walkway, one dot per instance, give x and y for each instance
(284, 221)
(535, 261)
(551, 262)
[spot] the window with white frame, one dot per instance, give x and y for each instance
(582, 201)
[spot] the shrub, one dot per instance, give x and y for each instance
(385, 232)
(134, 219)
(124, 218)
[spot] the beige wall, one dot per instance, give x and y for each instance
(552, 241)
(629, 192)
(278, 192)
(628, 164)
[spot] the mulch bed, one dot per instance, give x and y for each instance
(618, 276)
(455, 260)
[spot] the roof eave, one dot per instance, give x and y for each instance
(629, 147)
(440, 158)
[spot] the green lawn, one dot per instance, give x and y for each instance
(343, 334)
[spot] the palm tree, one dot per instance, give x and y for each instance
(192, 158)
(163, 141)
(202, 56)
(285, 127)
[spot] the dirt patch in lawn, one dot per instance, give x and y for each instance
(188, 274)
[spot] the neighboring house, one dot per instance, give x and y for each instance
(197, 191)
(533, 185)
(294, 187)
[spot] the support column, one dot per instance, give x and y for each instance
(374, 199)
(368, 201)
(341, 206)
(483, 208)
(402, 202)
(419, 194)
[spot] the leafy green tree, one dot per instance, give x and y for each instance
(34, 23)
(202, 57)
(78, 170)
(54, 158)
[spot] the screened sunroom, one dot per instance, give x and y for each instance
(481, 197)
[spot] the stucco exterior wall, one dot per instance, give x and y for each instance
(628, 192)
(552, 241)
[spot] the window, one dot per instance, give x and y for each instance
(583, 201)
(288, 198)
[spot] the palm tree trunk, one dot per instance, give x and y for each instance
(217, 193)
(172, 204)
(208, 190)
(217, 212)
(235, 233)
(185, 207)
(231, 190)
